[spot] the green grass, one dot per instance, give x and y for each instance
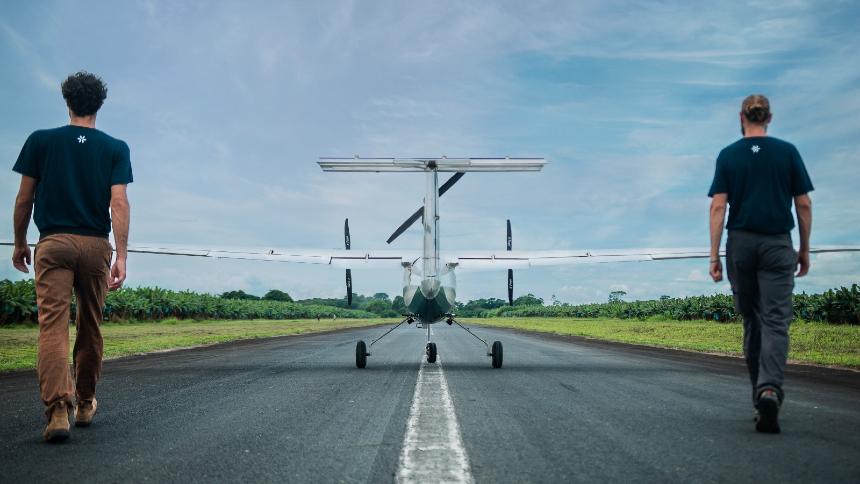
(18, 343)
(818, 343)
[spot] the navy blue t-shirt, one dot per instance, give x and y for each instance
(75, 168)
(761, 176)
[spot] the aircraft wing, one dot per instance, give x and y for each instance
(515, 259)
(470, 260)
(335, 257)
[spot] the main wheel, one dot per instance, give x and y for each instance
(360, 354)
(431, 352)
(497, 354)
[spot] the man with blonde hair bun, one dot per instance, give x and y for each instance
(758, 177)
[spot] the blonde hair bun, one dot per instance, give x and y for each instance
(756, 108)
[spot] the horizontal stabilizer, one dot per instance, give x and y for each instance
(428, 164)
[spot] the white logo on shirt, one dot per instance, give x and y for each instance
(755, 149)
(82, 139)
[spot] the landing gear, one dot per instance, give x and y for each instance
(360, 354)
(430, 349)
(431, 352)
(496, 354)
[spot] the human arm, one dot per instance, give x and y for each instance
(21, 256)
(718, 217)
(120, 216)
(803, 207)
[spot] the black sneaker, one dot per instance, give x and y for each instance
(768, 412)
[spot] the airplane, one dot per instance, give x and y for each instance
(429, 280)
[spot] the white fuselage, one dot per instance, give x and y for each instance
(430, 299)
(430, 254)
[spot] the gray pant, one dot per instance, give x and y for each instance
(761, 271)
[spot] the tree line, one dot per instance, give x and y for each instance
(18, 303)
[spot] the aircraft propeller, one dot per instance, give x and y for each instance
(420, 212)
(510, 271)
(347, 243)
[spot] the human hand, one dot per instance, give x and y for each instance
(802, 263)
(117, 274)
(716, 270)
(21, 257)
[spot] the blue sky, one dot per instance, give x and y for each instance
(227, 106)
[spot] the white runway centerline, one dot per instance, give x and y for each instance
(432, 447)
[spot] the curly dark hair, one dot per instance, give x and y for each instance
(84, 93)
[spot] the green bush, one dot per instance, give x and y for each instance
(835, 305)
(18, 300)
(840, 306)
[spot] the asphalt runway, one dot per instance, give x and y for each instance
(295, 409)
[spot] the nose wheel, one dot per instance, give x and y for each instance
(431, 352)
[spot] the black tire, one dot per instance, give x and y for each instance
(360, 354)
(497, 354)
(431, 352)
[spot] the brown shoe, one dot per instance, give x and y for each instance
(58, 422)
(84, 412)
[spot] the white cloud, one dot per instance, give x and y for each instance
(697, 275)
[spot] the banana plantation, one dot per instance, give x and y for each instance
(18, 303)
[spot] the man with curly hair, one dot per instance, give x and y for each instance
(73, 183)
(759, 177)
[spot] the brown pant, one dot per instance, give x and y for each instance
(64, 262)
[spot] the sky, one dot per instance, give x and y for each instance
(227, 106)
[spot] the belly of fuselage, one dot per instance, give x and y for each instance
(430, 309)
